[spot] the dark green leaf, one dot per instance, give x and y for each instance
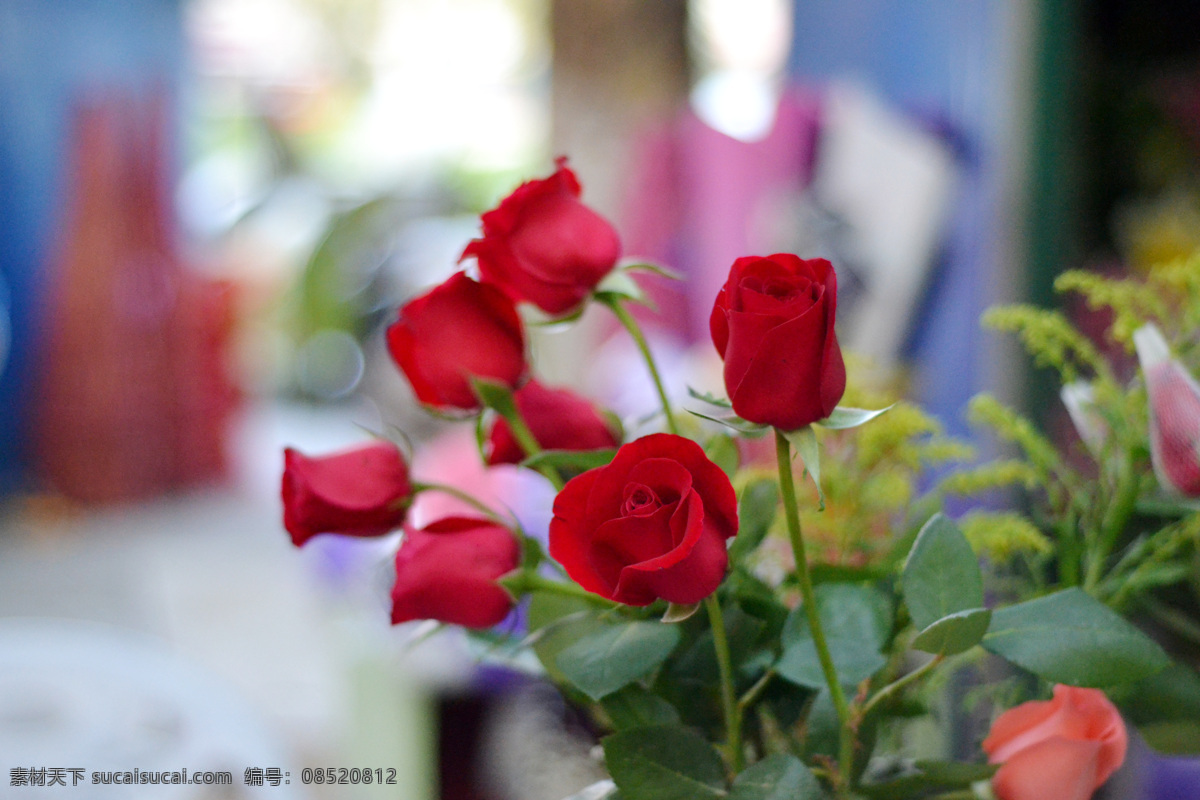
(941, 576)
(777, 777)
(636, 707)
(844, 417)
(581, 460)
(1070, 637)
(664, 762)
(1172, 694)
(955, 633)
(756, 511)
(607, 660)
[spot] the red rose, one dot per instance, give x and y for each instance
(456, 331)
(1063, 748)
(543, 246)
(364, 491)
(773, 325)
(448, 570)
(651, 524)
(558, 419)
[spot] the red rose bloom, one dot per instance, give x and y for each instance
(651, 524)
(447, 571)
(773, 325)
(456, 331)
(543, 246)
(364, 491)
(1063, 748)
(558, 419)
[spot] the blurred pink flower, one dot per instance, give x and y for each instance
(1174, 399)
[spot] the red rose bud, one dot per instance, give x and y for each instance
(772, 323)
(1174, 414)
(651, 524)
(447, 571)
(364, 491)
(558, 419)
(543, 246)
(458, 331)
(1064, 748)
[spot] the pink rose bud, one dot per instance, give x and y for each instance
(1060, 749)
(1174, 414)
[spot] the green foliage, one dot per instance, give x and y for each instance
(1004, 535)
(606, 660)
(1050, 339)
(1069, 637)
(664, 762)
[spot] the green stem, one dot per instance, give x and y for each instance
(532, 582)
(898, 684)
(754, 692)
(459, 494)
(1115, 518)
(631, 325)
(529, 444)
(733, 718)
(787, 487)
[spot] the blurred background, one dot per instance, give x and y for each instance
(210, 209)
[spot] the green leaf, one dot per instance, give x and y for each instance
(941, 576)
(709, 398)
(604, 661)
(856, 620)
(929, 776)
(678, 613)
(1172, 694)
(664, 762)
(581, 460)
(722, 450)
(805, 441)
(778, 777)
(757, 508)
(656, 269)
(637, 707)
(617, 286)
(494, 395)
(733, 422)
(955, 633)
(844, 417)
(557, 622)
(1070, 637)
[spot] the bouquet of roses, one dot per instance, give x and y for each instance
(798, 673)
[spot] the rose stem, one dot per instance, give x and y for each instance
(900, 683)
(631, 325)
(733, 719)
(466, 498)
(787, 487)
(529, 444)
(534, 582)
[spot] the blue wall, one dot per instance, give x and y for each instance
(946, 62)
(54, 53)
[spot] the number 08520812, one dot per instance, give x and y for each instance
(346, 776)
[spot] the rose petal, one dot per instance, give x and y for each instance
(1058, 768)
